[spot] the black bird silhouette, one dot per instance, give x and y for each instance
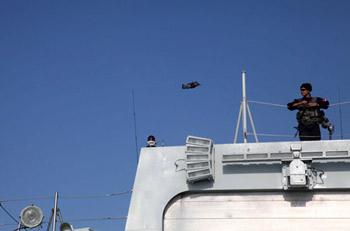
(190, 85)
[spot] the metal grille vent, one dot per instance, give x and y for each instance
(199, 159)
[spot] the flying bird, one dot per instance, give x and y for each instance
(190, 85)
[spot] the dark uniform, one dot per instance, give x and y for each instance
(310, 117)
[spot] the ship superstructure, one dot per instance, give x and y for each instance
(249, 186)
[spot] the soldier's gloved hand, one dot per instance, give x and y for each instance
(301, 104)
(331, 129)
(312, 104)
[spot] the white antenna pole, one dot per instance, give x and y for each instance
(244, 108)
(55, 212)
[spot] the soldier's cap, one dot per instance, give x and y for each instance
(151, 138)
(307, 86)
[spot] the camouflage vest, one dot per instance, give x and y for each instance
(310, 116)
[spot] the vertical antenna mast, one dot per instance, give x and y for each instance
(244, 108)
(55, 212)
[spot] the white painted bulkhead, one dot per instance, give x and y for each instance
(242, 195)
(268, 211)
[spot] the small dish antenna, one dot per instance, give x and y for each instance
(31, 216)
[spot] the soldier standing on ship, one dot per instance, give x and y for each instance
(310, 115)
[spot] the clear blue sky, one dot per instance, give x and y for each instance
(67, 69)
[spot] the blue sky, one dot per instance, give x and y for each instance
(67, 70)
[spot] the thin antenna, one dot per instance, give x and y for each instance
(244, 108)
(340, 116)
(135, 128)
(55, 212)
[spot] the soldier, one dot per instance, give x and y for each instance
(151, 141)
(310, 116)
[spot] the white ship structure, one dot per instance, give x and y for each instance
(274, 186)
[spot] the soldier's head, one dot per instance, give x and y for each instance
(305, 89)
(151, 141)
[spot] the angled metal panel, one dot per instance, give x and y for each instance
(199, 159)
